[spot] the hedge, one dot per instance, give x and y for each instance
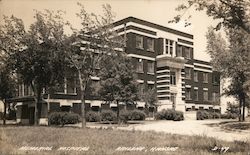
(62, 118)
(108, 116)
(202, 114)
(92, 116)
(169, 114)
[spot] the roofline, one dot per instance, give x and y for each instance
(153, 25)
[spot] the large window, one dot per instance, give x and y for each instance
(205, 77)
(151, 66)
(139, 66)
(179, 51)
(188, 73)
(215, 97)
(205, 95)
(195, 76)
(188, 94)
(172, 78)
(169, 46)
(216, 79)
(139, 42)
(188, 52)
(196, 95)
(150, 44)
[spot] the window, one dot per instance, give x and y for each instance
(216, 79)
(215, 97)
(169, 47)
(187, 52)
(195, 76)
(196, 95)
(71, 85)
(139, 42)
(205, 95)
(150, 44)
(188, 94)
(205, 77)
(139, 66)
(172, 78)
(188, 73)
(151, 66)
(179, 51)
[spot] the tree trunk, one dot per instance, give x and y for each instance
(82, 89)
(4, 112)
(118, 112)
(240, 105)
(244, 105)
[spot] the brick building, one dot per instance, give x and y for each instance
(163, 59)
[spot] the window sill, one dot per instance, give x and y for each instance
(140, 48)
(148, 50)
(61, 93)
(139, 72)
(150, 73)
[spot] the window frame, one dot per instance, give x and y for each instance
(139, 69)
(196, 76)
(151, 47)
(172, 80)
(151, 64)
(205, 78)
(139, 38)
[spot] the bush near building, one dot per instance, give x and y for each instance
(169, 114)
(202, 114)
(108, 116)
(92, 116)
(62, 118)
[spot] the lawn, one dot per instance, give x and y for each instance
(13, 140)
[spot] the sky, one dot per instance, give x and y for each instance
(156, 11)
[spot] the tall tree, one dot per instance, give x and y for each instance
(232, 59)
(40, 62)
(95, 39)
(231, 13)
(7, 88)
(117, 80)
(11, 32)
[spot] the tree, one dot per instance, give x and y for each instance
(117, 80)
(149, 96)
(7, 88)
(231, 13)
(232, 60)
(95, 39)
(40, 61)
(11, 32)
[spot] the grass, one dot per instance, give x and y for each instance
(106, 141)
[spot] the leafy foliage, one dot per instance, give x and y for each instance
(117, 79)
(108, 116)
(232, 59)
(232, 13)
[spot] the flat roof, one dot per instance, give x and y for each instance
(153, 25)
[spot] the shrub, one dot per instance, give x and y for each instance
(62, 118)
(92, 116)
(108, 115)
(124, 116)
(202, 114)
(137, 115)
(178, 116)
(229, 116)
(169, 115)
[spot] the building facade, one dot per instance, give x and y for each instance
(163, 59)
